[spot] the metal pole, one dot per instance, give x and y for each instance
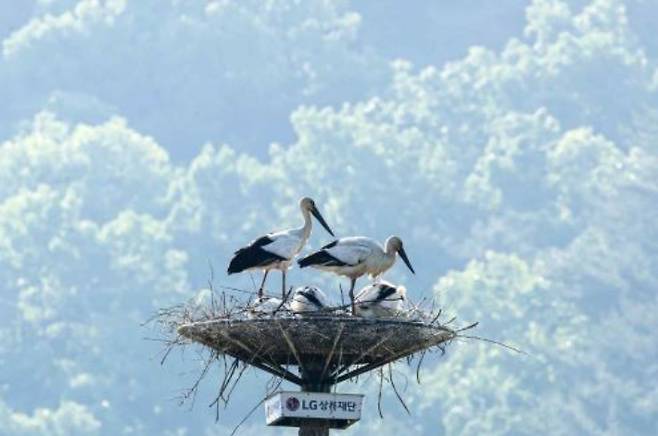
(314, 383)
(308, 430)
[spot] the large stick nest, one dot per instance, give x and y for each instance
(339, 342)
(318, 349)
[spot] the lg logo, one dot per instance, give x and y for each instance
(292, 404)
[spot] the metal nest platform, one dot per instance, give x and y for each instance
(325, 350)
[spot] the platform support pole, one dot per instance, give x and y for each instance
(313, 371)
(311, 430)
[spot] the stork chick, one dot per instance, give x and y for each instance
(265, 307)
(308, 300)
(380, 300)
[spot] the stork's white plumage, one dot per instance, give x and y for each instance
(265, 306)
(380, 300)
(277, 250)
(356, 256)
(308, 300)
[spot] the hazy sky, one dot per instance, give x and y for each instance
(511, 144)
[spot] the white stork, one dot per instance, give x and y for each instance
(380, 300)
(276, 250)
(356, 256)
(308, 299)
(265, 306)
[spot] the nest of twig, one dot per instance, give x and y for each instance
(344, 346)
(318, 349)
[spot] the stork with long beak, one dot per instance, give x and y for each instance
(356, 256)
(275, 251)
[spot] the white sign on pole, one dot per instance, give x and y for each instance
(291, 408)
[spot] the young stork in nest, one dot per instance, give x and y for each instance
(277, 250)
(308, 300)
(380, 300)
(265, 307)
(356, 256)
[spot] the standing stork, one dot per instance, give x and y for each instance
(276, 250)
(356, 256)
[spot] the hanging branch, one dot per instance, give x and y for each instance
(420, 362)
(468, 327)
(190, 393)
(379, 395)
(491, 341)
(395, 389)
(228, 375)
(251, 412)
(331, 352)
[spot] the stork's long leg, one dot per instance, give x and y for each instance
(352, 283)
(262, 284)
(283, 285)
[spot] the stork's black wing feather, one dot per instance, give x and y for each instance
(253, 255)
(331, 244)
(321, 257)
(260, 242)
